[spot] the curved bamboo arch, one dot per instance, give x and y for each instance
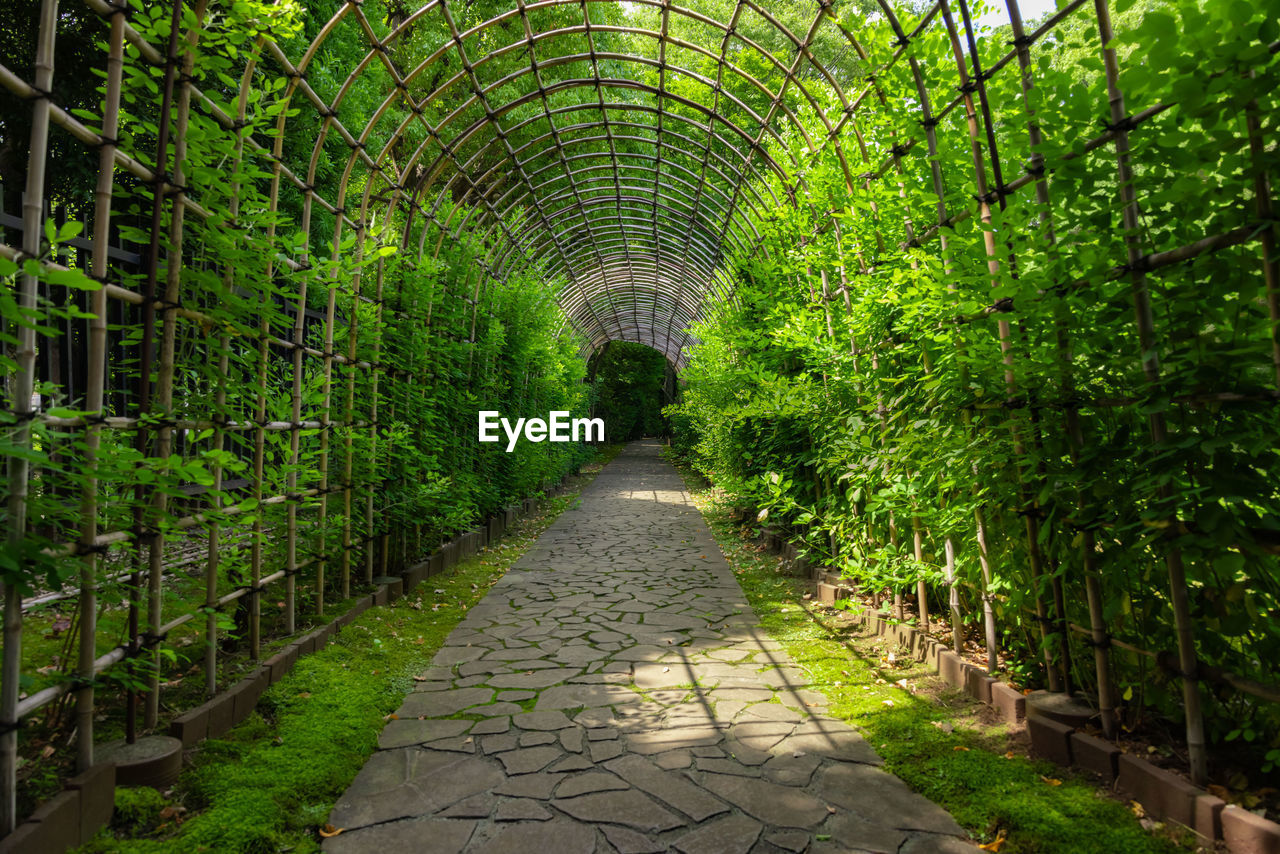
(719, 207)
(635, 180)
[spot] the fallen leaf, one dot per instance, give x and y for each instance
(304, 695)
(961, 747)
(994, 845)
(1052, 781)
(329, 831)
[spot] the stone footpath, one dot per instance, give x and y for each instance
(615, 693)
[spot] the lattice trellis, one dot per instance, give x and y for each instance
(527, 133)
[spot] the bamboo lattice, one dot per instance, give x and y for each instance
(590, 167)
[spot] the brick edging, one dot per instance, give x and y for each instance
(1164, 795)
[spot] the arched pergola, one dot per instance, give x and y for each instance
(630, 154)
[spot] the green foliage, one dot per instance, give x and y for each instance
(314, 377)
(858, 386)
(629, 390)
(138, 810)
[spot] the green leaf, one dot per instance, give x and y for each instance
(70, 230)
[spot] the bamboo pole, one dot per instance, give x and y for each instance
(953, 598)
(23, 388)
(94, 403)
(1263, 206)
(929, 120)
(1145, 322)
(922, 588)
(213, 546)
(295, 436)
(165, 371)
(1093, 593)
(348, 452)
(144, 523)
(375, 393)
(977, 83)
(259, 444)
(326, 418)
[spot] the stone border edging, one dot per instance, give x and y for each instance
(1164, 795)
(70, 818)
(87, 802)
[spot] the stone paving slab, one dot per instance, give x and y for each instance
(614, 693)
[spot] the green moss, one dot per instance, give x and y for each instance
(968, 770)
(271, 782)
(138, 810)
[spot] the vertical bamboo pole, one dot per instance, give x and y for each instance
(929, 122)
(165, 371)
(1145, 322)
(143, 523)
(953, 596)
(349, 403)
(258, 534)
(1263, 206)
(1057, 682)
(348, 461)
(326, 425)
(295, 429)
(259, 439)
(94, 397)
(922, 589)
(211, 553)
(23, 386)
(220, 416)
(967, 86)
(1099, 638)
(374, 400)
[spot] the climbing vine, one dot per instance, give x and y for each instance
(982, 384)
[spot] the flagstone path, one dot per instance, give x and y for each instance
(615, 693)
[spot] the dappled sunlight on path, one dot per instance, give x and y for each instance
(615, 692)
